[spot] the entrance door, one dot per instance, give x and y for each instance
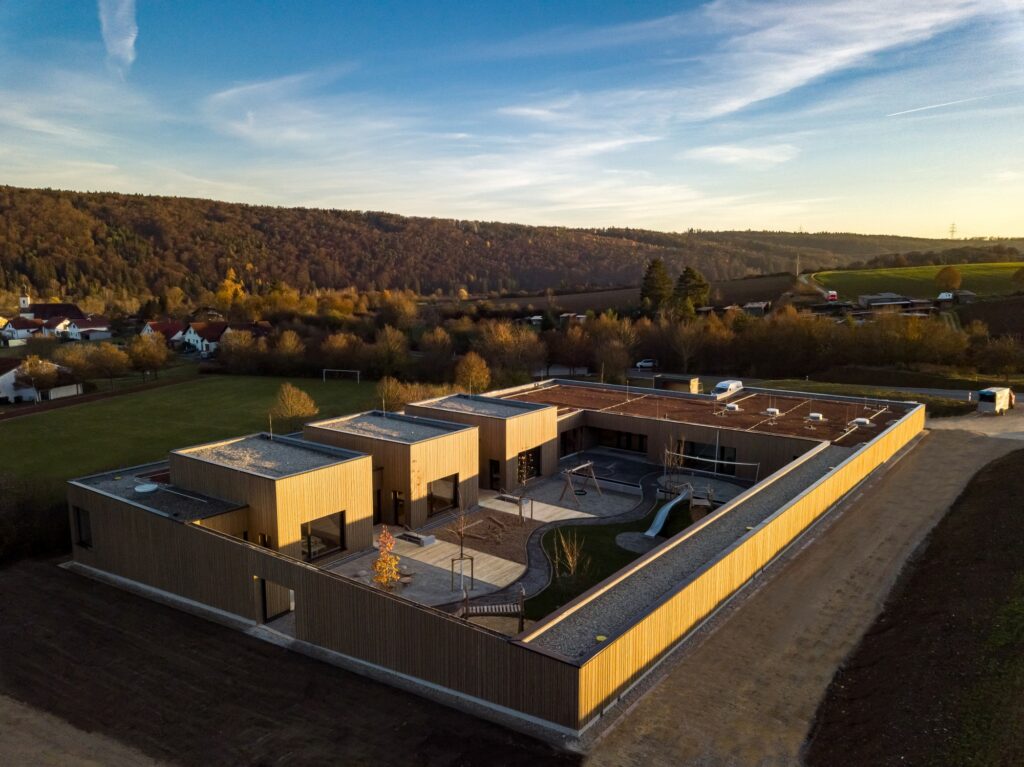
(495, 474)
(276, 600)
(398, 507)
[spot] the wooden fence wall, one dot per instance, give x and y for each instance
(610, 671)
(361, 622)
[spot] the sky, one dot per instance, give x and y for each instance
(865, 116)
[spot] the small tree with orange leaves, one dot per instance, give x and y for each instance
(385, 567)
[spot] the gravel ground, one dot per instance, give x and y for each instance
(273, 458)
(402, 429)
(617, 609)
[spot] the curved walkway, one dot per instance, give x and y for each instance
(538, 566)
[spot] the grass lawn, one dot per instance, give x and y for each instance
(919, 281)
(937, 406)
(53, 446)
(603, 556)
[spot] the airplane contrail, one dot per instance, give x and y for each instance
(936, 106)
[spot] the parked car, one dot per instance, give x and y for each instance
(647, 364)
(727, 387)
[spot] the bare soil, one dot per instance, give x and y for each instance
(182, 690)
(494, 532)
(939, 677)
(745, 690)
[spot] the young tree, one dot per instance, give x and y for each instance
(949, 278)
(436, 362)
(692, 285)
(656, 286)
(149, 353)
(385, 567)
(472, 373)
(108, 361)
(37, 373)
(76, 358)
(291, 405)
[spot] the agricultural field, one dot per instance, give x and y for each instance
(919, 281)
(761, 288)
(138, 427)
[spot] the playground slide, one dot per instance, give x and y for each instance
(662, 515)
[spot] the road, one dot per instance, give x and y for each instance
(746, 691)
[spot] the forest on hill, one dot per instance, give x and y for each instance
(84, 244)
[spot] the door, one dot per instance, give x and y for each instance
(495, 474)
(276, 600)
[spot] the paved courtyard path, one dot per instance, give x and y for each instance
(746, 692)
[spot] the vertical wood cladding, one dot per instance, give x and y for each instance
(330, 610)
(503, 439)
(408, 468)
(625, 658)
(278, 506)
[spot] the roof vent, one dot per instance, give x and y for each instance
(863, 422)
(732, 407)
(146, 488)
(815, 417)
(772, 412)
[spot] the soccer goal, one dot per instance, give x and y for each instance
(341, 373)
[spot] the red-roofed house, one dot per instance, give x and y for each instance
(95, 327)
(204, 336)
(21, 328)
(171, 330)
(46, 311)
(56, 327)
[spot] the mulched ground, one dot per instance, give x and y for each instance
(494, 532)
(939, 678)
(187, 691)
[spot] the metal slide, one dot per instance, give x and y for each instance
(662, 515)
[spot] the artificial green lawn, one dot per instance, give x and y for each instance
(937, 406)
(53, 446)
(605, 557)
(919, 281)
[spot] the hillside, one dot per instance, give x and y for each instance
(78, 244)
(919, 281)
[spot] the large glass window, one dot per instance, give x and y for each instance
(442, 494)
(323, 536)
(622, 440)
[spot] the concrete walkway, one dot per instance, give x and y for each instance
(745, 689)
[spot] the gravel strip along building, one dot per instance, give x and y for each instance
(250, 530)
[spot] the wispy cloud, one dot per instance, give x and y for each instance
(748, 156)
(936, 106)
(117, 20)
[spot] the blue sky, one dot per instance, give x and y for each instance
(866, 116)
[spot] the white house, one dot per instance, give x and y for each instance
(56, 327)
(173, 331)
(22, 328)
(204, 336)
(11, 391)
(95, 327)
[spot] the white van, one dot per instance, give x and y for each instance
(995, 399)
(723, 388)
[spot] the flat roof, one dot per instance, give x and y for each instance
(396, 427)
(267, 456)
(166, 499)
(792, 420)
(475, 404)
(623, 604)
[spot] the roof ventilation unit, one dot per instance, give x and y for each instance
(815, 417)
(862, 422)
(732, 407)
(147, 488)
(772, 412)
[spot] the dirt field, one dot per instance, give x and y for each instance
(182, 690)
(747, 693)
(494, 532)
(939, 678)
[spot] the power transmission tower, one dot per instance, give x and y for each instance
(952, 231)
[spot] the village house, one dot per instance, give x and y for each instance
(95, 327)
(173, 331)
(13, 389)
